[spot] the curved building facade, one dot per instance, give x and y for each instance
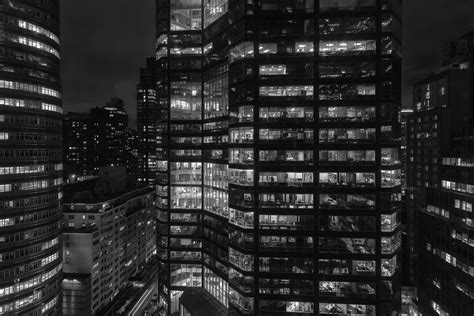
(30, 158)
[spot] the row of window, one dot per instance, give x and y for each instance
(33, 217)
(30, 234)
(28, 268)
(26, 57)
(33, 137)
(459, 187)
(29, 186)
(30, 42)
(190, 198)
(34, 12)
(326, 48)
(31, 153)
(38, 29)
(21, 253)
(36, 201)
(21, 286)
(452, 260)
(33, 73)
(4, 84)
(24, 120)
(30, 169)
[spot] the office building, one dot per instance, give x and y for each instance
(30, 158)
(108, 235)
(147, 121)
(278, 165)
(441, 192)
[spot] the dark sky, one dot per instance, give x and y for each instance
(105, 42)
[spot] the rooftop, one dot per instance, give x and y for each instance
(97, 203)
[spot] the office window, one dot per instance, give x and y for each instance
(273, 70)
(241, 51)
(186, 173)
(186, 99)
(186, 197)
(243, 303)
(304, 48)
(346, 5)
(348, 223)
(331, 26)
(213, 10)
(286, 91)
(185, 15)
(346, 91)
(364, 69)
(350, 309)
(267, 48)
(341, 48)
(347, 289)
(347, 267)
(346, 245)
(186, 275)
(241, 156)
(216, 286)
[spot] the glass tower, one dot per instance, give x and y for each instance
(278, 170)
(30, 158)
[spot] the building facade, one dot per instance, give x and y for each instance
(441, 191)
(278, 170)
(147, 121)
(106, 240)
(30, 158)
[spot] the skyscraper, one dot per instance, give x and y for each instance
(30, 158)
(441, 188)
(147, 120)
(278, 159)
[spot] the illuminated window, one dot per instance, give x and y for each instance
(186, 15)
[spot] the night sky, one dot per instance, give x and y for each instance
(105, 42)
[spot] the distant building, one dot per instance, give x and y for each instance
(108, 129)
(98, 139)
(107, 238)
(441, 190)
(406, 216)
(147, 121)
(131, 153)
(458, 50)
(77, 145)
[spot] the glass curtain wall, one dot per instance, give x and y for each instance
(287, 112)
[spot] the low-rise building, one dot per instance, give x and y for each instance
(106, 241)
